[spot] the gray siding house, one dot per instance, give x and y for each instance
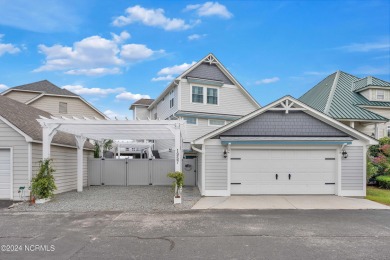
(21, 150)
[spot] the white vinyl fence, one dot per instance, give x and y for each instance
(127, 172)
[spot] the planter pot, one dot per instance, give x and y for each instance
(177, 200)
(41, 201)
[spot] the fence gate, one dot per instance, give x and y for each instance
(127, 172)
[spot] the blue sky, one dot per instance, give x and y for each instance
(113, 52)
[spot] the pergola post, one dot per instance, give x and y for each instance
(80, 140)
(48, 133)
(178, 152)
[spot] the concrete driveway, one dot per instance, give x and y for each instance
(286, 202)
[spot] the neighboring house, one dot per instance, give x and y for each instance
(362, 103)
(285, 147)
(21, 150)
(206, 95)
(46, 96)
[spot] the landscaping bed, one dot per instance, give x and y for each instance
(117, 198)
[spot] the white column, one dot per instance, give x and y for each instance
(119, 151)
(80, 161)
(178, 151)
(48, 133)
(352, 124)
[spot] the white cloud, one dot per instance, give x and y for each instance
(167, 73)
(176, 69)
(367, 47)
(369, 70)
(80, 90)
(3, 87)
(7, 47)
(196, 36)
(210, 9)
(94, 55)
(94, 71)
(111, 114)
(163, 78)
(130, 96)
(267, 81)
(151, 17)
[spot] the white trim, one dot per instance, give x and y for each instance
(352, 193)
(339, 171)
(192, 102)
(204, 91)
(309, 110)
(21, 90)
(229, 169)
(203, 188)
(377, 94)
(29, 159)
(28, 138)
(208, 122)
(216, 193)
(11, 168)
(365, 169)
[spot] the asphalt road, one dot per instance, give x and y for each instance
(217, 234)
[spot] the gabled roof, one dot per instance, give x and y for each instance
(224, 77)
(369, 81)
(24, 119)
(43, 86)
(143, 102)
(289, 103)
(334, 96)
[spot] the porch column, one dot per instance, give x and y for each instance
(119, 151)
(80, 140)
(178, 151)
(48, 133)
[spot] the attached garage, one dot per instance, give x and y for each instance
(283, 148)
(287, 171)
(5, 173)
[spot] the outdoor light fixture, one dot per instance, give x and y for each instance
(224, 154)
(345, 154)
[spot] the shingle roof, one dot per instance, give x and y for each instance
(24, 118)
(142, 102)
(45, 86)
(334, 96)
(368, 82)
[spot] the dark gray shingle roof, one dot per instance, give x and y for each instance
(209, 71)
(24, 118)
(45, 86)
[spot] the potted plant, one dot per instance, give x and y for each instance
(177, 185)
(43, 184)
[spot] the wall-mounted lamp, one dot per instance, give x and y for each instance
(225, 154)
(344, 154)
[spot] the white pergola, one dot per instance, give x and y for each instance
(100, 130)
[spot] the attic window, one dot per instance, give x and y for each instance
(380, 94)
(63, 108)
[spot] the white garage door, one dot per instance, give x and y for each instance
(5, 174)
(283, 171)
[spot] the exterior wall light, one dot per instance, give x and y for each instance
(225, 154)
(345, 154)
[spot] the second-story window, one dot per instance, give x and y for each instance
(380, 94)
(191, 120)
(212, 96)
(197, 94)
(63, 108)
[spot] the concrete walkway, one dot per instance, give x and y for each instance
(286, 202)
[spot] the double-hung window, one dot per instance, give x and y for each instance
(380, 94)
(171, 98)
(63, 108)
(212, 96)
(197, 94)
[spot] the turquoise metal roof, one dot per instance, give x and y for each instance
(369, 82)
(335, 96)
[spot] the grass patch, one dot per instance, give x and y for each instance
(378, 195)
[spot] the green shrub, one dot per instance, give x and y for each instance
(384, 140)
(372, 169)
(178, 181)
(43, 184)
(383, 181)
(374, 150)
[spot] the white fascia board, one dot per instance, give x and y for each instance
(94, 108)
(27, 137)
(309, 110)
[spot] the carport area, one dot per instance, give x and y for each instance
(287, 202)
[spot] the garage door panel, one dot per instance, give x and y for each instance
(311, 173)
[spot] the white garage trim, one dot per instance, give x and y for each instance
(11, 162)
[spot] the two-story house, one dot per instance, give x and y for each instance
(206, 96)
(362, 103)
(46, 96)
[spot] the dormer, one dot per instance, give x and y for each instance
(372, 89)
